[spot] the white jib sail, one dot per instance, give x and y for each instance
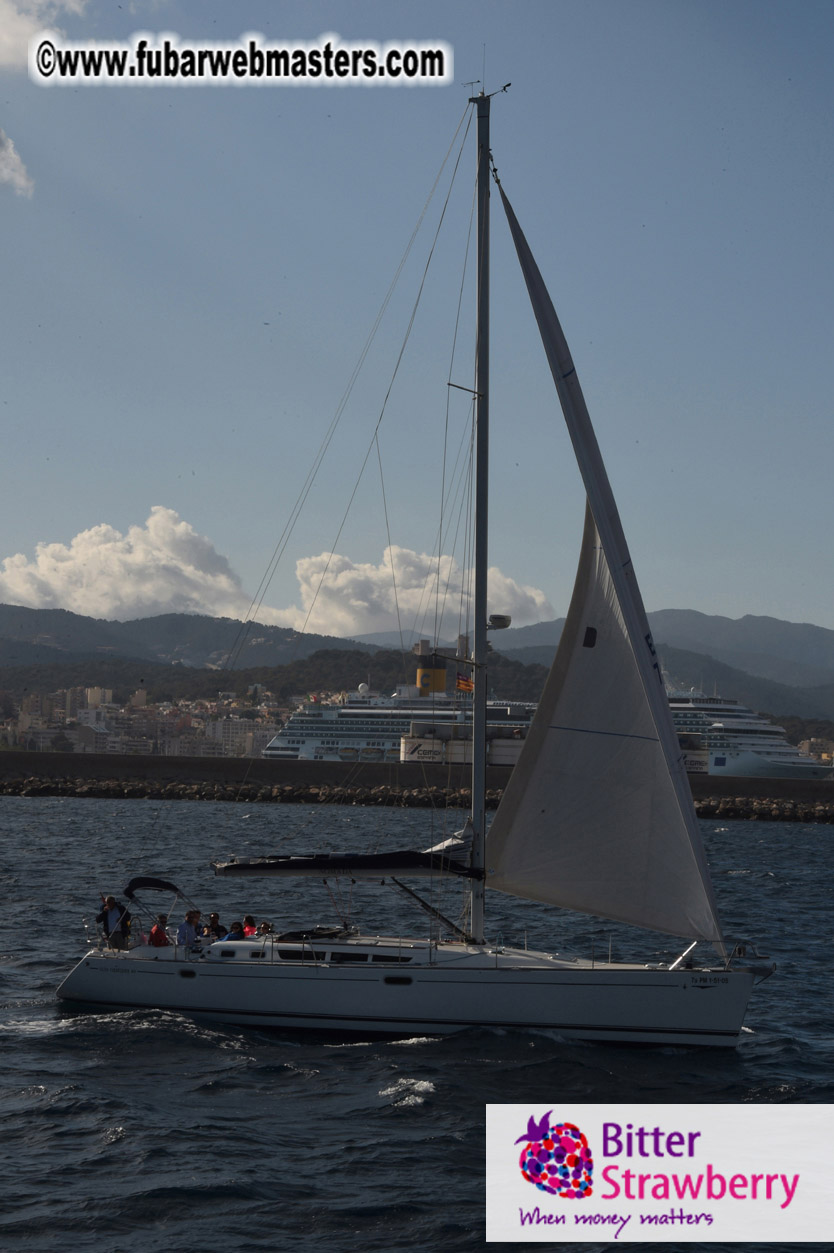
(598, 814)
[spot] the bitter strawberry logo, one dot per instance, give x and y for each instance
(556, 1158)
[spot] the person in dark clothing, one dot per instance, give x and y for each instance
(214, 928)
(115, 922)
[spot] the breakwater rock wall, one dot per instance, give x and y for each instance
(334, 783)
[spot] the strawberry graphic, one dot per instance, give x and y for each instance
(557, 1158)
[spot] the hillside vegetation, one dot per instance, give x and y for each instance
(331, 670)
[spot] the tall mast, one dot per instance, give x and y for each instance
(479, 651)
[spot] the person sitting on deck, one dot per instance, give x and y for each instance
(115, 922)
(214, 929)
(265, 928)
(158, 937)
(235, 932)
(249, 927)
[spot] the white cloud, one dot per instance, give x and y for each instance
(357, 599)
(21, 19)
(165, 566)
(12, 169)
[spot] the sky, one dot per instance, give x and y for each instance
(190, 274)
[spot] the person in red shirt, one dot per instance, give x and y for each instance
(158, 937)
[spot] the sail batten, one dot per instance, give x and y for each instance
(619, 735)
(607, 830)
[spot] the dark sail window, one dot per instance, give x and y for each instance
(590, 637)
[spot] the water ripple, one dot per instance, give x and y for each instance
(152, 1133)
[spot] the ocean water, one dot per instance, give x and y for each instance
(142, 1132)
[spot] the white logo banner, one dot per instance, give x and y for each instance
(568, 1173)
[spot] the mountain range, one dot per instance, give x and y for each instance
(772, 665)
(796, 654)
(31, 637)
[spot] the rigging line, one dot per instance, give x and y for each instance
(390, 553)
(430, 909)
(303, 494)
(260, 593)
(455, 481)
(462, 475)
(431, 578)
(438, 614)
(417, 617)
(464, 514)
(446, 505)
(390, 387)
(466, 579)
(420, 612)
(467, 592)
(449, 380)
(466, 505)
(301, 500)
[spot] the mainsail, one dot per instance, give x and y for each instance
(598, 815)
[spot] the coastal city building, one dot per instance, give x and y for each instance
(717, 736)
(87, 720)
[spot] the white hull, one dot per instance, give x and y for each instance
(752, 766)
(435, 989)
(757, 766)
(724, 738)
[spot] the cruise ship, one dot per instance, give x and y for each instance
(723, 737)
(365, 726)
(418, 723)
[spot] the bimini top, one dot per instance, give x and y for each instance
(157, 885)
(357, 866)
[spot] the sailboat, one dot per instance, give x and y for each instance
(610, 833)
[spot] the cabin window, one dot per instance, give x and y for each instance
(349, 955)
(253, 955)
(389, 957)
(300, 955)
(228, 952)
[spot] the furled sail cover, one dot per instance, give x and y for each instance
(353, 865)
(598, 814)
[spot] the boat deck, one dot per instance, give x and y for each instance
(363, 950)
